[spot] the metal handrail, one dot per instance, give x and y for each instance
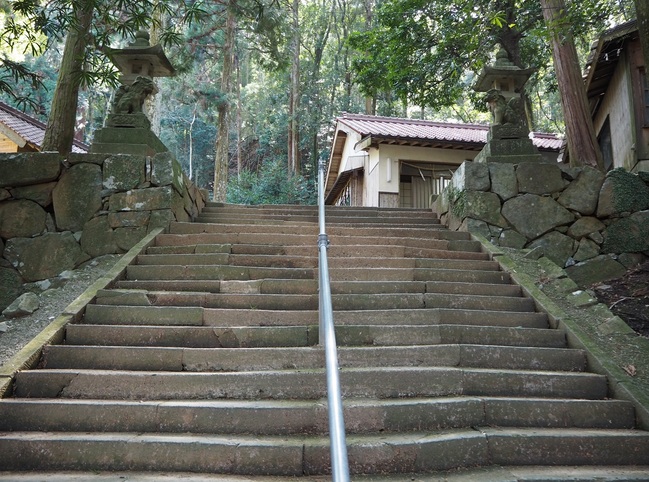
(339, 462)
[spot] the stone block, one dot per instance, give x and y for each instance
(564, 285)
(128, 219)
(471, 177)
(160, 219)
(582, 299)
(28, 168)
(142, 199)
(533, 215)
(123, 172)
(77, 158)
(126, 238)
(43, 256)
(39, 193)
(21, 219)
(98, 238)
(4, 194)
(484, 206)
(503, 180)
(24, 305)
(539, 178)
(621, 192)
(162, 171)
(628, 235)
(77, 196)
(595, 270)
(570, 173)
(585, 226)
(550, 269)
(476, 226)
(556, 246)
(512, 239)
(582, 194)
(10, 286)
(119, 136)
(587, 249)
(629, 260)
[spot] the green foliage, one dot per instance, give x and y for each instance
(422, 50)
(37, 26)
(270, 186)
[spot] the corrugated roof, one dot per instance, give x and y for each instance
(430, 132)
(31, 130)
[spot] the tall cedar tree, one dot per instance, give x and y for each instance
(580, 132)
(222, 151)
(59, 133)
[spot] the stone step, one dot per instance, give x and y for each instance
(280, 240)
(349, 250)
(492, 474)
(309, 455)
(283, 417)
(258, 359)
(215, 272)
(310, 384)
(332, 219)
(307, 335)
(196, 316)
(429, 232)
(311, 287)
(312, 251)
(301, 209)
(247, 273)
(289, 261)
(340, 302)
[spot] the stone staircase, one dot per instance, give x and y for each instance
(204, 359)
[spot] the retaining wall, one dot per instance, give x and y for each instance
(58, 212)
(594, 225)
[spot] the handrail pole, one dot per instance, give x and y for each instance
(339, 461)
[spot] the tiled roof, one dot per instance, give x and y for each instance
(29, 128)
(429, 131)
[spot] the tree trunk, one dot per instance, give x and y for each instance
(59, 133)
(221, 155)
(580, 133)
(294, 96)
(642, 12)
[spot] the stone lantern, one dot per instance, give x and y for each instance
(140, 59)
(508, 139)
(128, 130)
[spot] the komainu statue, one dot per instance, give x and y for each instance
(129, 99)
(503, 112)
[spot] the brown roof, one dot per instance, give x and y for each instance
(603, 59)
(394, 130)
(20, 126)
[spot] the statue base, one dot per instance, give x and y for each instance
(128, 120)
(127, 134)
(510, 144)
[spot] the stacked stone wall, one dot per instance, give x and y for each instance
(595, 225)
(58, 212)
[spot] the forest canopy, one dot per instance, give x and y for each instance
(265, 78)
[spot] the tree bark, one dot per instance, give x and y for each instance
(59, 133)
(221, 155)
(642, 12)
(294, 96)
(580, 133)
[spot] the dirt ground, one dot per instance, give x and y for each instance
(628, 298)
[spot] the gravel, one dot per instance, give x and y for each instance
(55, 295)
